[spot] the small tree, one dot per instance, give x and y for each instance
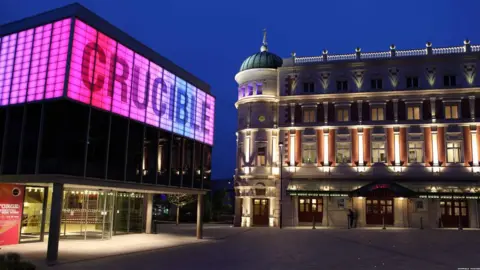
(180, 200)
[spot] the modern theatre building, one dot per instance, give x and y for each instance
(92, 124)
(392, 135)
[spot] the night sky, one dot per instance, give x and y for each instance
(211, 38)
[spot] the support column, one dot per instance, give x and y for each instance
(148, 212)
(396, 136)
(325, 112)
(360, 147)
(360, 113)
(291, 144)
(433, 109)
(434, 146)
(471, 101)
(55, 222)
(200, 216)
(473, 132)
(325, 211)
(395, 110)
(326, 160)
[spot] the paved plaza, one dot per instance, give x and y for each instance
(272, 248)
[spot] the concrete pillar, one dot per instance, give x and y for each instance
(473, 213)
(325, 211)
(238, 212)
(148, 212)
(359, 207)
(398, 212)
(200, 216)
(55, 222)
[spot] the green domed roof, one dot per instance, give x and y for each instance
(262, 59)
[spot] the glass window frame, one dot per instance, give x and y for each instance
(378, 149)
(343, 149)
(312, 148)
(450, 147)
(416, 149)
(412, 109)
(376, 112)
(311, 113)
(342, 114)
(451, 111)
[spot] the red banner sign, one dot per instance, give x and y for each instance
(11, 206)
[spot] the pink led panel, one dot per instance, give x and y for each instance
(33, 63)
(100, 96)
(8, 54)
(200, 116)
(155, 95)
(209, 119)
(110, 76)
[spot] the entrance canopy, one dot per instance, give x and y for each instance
(394, 188)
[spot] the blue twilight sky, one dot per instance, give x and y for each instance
(211, 38)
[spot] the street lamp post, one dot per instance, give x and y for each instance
(280, 145)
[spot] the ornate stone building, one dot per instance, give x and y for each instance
(391, 135)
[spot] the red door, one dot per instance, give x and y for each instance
(378, 208)
(260, 212)
(453, 212)
(309, 208)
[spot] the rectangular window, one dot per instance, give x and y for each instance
(309, 115)
(449, 80)
(309, 155)
(377, 84)
(377, 114)
(343, 152)
(451, 112)
(342, 86)
(454, 152)
(412, 82)
(261, 155)
(342, 115)
(250, 89)
(413, 113)
(259, 89)
(379, 154)
(308, 87)
(415, 152)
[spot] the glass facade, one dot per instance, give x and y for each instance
(86, 214)
(61, 137)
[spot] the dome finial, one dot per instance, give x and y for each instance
(264, 47)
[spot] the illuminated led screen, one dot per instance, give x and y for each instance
(33, 63)
(112, 77)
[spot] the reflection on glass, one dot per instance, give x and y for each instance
(32, 214)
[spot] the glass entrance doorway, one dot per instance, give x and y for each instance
(87, 214)
(34, 214)
(129, 213)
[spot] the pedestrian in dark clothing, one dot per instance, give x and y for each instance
(354, 216)
(350, 218)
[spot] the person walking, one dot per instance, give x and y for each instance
(350, 218)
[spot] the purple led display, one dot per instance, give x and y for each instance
(33, 63)
(103, 73)
(110, 76)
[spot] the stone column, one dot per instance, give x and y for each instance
(471, 101)
(238, 212)
(360, 113)
(395, 110)
(473, 213)
(325, 211)
(148, 212)
(325, 112)
(199, 216)
(433, 109)
(55, 222)
(359, 206)
(398, 216)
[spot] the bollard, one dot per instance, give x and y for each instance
(313, 223)
(421, 223)
(460, 227)
(383, 222)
